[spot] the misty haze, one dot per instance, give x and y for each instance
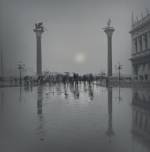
(75, 75)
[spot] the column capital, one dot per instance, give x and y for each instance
(109, 31)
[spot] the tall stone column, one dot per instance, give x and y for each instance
(133, 46)
(109, 31)
(140, 44)
(39, 29)
(143, 43)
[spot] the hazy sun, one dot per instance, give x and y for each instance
(79, 58)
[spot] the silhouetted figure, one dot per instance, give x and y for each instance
(107, 81)
(91, 92)
(65, 91)
(90, 79)
(75, 78)
(76, 92)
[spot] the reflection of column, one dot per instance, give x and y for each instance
(40, 128)
(119, 97)
(39, 100)
(140, 115)
(20, 94)
(110, 131)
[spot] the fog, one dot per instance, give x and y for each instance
(73, 40)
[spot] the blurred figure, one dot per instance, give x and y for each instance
(91, 92)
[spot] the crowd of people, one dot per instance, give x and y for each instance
(63, 78)
(75, 78)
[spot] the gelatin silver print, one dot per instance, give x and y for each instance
(74, 75)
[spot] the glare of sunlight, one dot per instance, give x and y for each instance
(80, 58)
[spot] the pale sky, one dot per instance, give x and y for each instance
(74, 40)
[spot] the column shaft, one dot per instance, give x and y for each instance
(109, 60)
(39, 55)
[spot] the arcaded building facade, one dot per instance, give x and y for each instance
(140, 54)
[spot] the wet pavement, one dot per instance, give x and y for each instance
(81, 118)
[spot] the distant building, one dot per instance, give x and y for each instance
(140, 54)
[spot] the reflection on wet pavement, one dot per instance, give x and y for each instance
(67, 117)
(141, 117)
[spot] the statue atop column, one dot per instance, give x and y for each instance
(108, 22)
(39, 26)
